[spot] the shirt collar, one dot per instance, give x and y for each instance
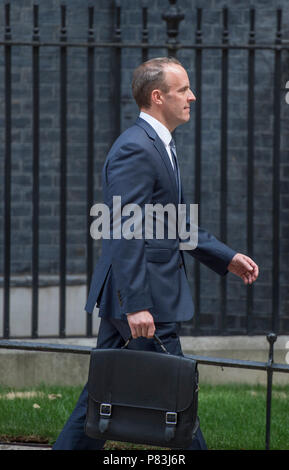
(162, 131)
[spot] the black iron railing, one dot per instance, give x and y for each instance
(172, 18)
(269, 367)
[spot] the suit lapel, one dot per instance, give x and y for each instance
(161, 152)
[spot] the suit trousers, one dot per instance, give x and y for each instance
(112, 334)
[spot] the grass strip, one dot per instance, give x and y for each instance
(232, 417)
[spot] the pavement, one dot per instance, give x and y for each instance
(23, 447)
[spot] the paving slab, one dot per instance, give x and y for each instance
(22, 447)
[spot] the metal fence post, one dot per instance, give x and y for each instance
(7, 173)
(173, 16)
(63, 171)
(90, 152)
(271, 337)
(35, 188)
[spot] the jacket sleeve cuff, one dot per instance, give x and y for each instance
(134, 303)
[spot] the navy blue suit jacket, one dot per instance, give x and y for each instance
(146, 274)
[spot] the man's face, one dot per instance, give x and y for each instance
(176, 102)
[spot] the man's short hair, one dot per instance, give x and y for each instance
(148, 77)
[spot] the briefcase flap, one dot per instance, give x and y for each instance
(141, 379)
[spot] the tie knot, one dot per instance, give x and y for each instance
(172, 144)
(173, 147)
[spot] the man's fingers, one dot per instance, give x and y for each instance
(133, 332)
(244, 267)
(144, 330)
(151, 330)
(256, 271)
(245, 279)
(247, 265)
(148, 330)
(141, 324)
(253, 266)
(253, 273)
(249, 278)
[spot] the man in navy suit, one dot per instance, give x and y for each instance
(139, 283)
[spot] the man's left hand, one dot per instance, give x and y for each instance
(244, 267)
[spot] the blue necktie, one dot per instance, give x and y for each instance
(176, 167)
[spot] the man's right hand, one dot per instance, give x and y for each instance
(141, 323)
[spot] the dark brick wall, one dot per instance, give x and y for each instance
(49, 20)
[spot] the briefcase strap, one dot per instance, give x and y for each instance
(171, 416)
(170, 427)
(156, 338)
(105, 414)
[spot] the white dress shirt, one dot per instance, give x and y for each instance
(162, 131)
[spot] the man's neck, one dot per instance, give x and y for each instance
(157, 117)
(161, 130)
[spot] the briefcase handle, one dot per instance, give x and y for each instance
(156, 338)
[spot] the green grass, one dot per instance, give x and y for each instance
(21, 421)
(232, 416)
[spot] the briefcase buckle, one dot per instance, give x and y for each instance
(171, 418)
(105, 409)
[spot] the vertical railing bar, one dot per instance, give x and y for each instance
(35, 189)
(224, 161)
(276, 179)
(198, 156)
(63, 165)
(116, 69)
(250, 161)
(173, 16)
(271, 337)
(90, 155)
(7, 177)
(144, 30)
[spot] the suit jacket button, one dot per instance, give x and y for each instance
(180, 265)
(119, 297)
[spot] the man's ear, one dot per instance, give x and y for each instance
(156, 96)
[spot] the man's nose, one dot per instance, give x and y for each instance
(191, 96)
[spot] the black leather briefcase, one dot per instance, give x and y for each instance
(142, 397)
